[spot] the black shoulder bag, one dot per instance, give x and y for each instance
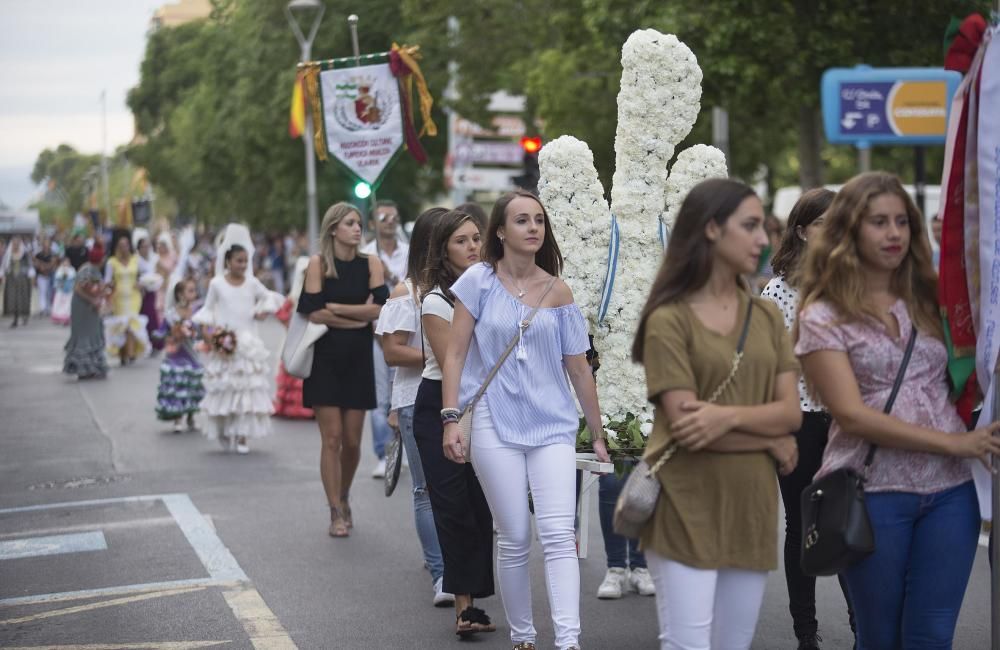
(836, 529)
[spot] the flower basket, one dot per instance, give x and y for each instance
(224, 342)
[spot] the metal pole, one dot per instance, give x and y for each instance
(995, 547)
(352, 20)
(104, 157)
(305, 43)
(919, 178)
(720, 131)
(864, 157)
(312, 219)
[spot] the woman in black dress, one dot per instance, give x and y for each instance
(341, 386)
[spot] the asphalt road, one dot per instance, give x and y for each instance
(117, 533)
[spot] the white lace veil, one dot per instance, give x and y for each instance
(231, 235)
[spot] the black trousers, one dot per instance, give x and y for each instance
(811, 439)
(461, 514)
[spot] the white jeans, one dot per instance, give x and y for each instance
(705, 609)
(505, 474)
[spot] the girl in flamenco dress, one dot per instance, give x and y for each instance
(180, 391)
(237, 402)
(288, 397)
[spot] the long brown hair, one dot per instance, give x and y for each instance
(687, 264)
(548, 257)
(438, 271)
(807, 209)
(833, 270)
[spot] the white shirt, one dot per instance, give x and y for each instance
(395, 262)
(402, 315)
(786, 297)
(434, 305)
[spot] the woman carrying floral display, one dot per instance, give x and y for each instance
(722, 419)
(524, 429)
(867, 286)
(804, 223)
(461, 514)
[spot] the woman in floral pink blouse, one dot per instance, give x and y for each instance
(865, 284)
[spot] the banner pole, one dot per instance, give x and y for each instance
(352, 20)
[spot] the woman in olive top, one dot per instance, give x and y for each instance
(713, 536)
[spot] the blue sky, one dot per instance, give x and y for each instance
(56, 56)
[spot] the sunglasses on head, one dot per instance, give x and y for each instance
(386, 216)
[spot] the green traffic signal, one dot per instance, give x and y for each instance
(362, 190)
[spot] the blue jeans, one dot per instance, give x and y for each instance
(422, 513)
(908, 593)
(622, 552)
(381, 431)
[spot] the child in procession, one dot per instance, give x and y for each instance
(180, 391)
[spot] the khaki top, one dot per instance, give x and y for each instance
(717, 510)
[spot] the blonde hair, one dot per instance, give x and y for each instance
(832, 270)
(334, 215)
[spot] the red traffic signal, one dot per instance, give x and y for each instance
(531, 145)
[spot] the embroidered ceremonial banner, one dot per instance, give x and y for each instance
(988, 343)
(362, 118)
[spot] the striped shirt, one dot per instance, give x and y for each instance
(530, 398)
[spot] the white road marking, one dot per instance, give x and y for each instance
(155, 645)
(114, 602)
(246, 603)
(53, 545)
(113, 525)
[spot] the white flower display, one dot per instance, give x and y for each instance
(658, 105)
(692, 166)
(572, 195)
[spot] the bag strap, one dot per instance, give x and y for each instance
(895, 390)
(737, 358)
(439, 294)
(523, 325)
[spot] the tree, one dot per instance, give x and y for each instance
(212, 104)
(68, 174)
(761, 60)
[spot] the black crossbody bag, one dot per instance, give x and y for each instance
(836, 529)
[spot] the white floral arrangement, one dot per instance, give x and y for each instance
(658, 105)
(572, 195)
(692, 166)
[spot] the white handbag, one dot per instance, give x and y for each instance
(297, 352)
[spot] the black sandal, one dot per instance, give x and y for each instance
(473, 620)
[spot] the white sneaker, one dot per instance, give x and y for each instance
(611, 588)
(642, 582)
(242, 448)
(441, 597)
(379, 471)
(177, 426)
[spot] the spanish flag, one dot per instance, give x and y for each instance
(297, 113)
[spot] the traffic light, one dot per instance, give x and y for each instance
(362, 190)
(528, 179)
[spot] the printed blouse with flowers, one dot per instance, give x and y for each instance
(875, 356)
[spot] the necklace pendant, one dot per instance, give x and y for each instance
(520, 293)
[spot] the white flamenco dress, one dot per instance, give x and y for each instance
(237, 391)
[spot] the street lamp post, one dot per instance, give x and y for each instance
(293, 10)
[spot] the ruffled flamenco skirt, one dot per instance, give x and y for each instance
(288, 400)
(117, 327)
(237, 395)
(181, 389)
